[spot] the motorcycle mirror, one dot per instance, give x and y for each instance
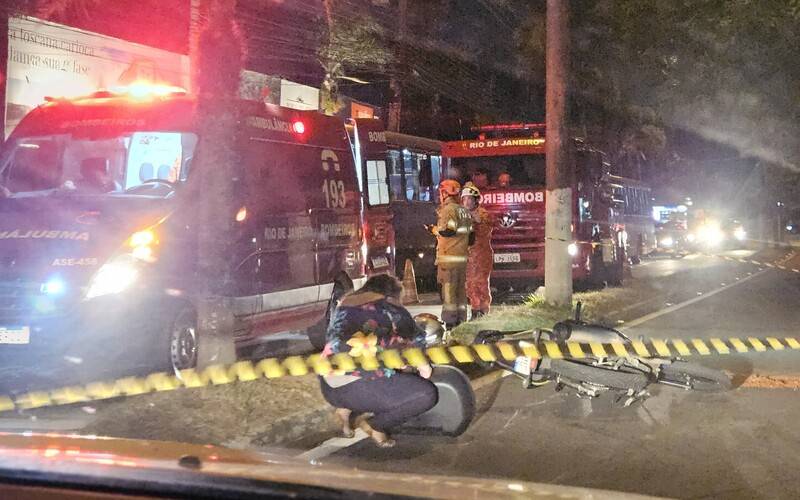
(578, 311)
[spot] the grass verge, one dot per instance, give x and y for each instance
(237, 415)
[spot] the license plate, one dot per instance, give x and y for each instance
(522, 365)
(380, 262)
(500, 258)
(15, 335)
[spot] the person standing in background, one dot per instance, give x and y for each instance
(454, 235)
(481, 256)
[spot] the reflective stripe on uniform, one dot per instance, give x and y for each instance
(451, 258)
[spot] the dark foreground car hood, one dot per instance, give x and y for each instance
(69, 235)
(209, 471)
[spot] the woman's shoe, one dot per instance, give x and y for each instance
(381, 439)
(342, 416)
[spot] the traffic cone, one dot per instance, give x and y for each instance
(410, 295)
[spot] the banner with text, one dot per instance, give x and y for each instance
(48, 59)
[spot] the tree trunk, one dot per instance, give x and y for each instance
(395, 86)
(558, 204)
(217, 56)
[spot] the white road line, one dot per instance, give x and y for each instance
(331, 446)
(681, 305)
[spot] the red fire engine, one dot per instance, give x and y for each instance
(507, 163)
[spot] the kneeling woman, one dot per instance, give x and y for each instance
(369, 321)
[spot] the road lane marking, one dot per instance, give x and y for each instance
(676, 307)
(331, 446)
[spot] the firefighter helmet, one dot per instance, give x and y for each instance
(449, 187)
(470, 189)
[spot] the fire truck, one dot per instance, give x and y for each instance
(507, 162)
(368, 142)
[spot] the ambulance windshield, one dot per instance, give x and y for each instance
(136, 163)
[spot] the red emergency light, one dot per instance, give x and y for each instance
(298, 127)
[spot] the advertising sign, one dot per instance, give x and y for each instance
(48, 59)
(299, 96)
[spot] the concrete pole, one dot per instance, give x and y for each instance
(395, 85)
(558, 204)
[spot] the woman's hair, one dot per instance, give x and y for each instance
(384, 285)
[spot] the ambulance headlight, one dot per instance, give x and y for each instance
(54, 286)
(115, 276)
(572, 249)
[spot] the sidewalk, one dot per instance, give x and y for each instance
(428, 303)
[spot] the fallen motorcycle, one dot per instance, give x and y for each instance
(627, 379)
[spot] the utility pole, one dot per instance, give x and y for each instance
(216, 56)
(395, 103)
(559, 173)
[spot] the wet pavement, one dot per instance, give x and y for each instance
(740, 444)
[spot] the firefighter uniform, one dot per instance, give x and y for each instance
(480, 262)
(453, 233)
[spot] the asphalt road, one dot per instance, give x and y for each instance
(741, 444)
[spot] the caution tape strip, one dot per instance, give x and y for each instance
(295, 366)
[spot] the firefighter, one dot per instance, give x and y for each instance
(453, 232)
(504, 180)
(481, 256)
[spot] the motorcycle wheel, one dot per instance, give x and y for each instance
(697, 377)
(614, 379)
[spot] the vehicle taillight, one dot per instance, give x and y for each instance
(299, 127)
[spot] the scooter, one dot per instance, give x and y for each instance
(455, 408)
(627, 379)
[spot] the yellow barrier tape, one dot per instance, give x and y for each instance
(271, 368)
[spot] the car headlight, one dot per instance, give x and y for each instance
(114, 276)
(667, 241)
(690, 237)
(740, 234)
(572, 249)
(123, 270)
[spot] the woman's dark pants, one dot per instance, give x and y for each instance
(392, 400)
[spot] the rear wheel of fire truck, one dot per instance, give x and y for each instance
(317, 333)
(597, 271)
(615, 273)
(183, 346)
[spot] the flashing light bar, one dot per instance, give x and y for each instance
(135, 90)
(141, 90)
(507, 126)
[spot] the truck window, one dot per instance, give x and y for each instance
(396, 176)
(522, 170)
(411, 167)
(98, 166)
(377, 187)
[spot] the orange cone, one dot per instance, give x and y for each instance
(410, 295)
